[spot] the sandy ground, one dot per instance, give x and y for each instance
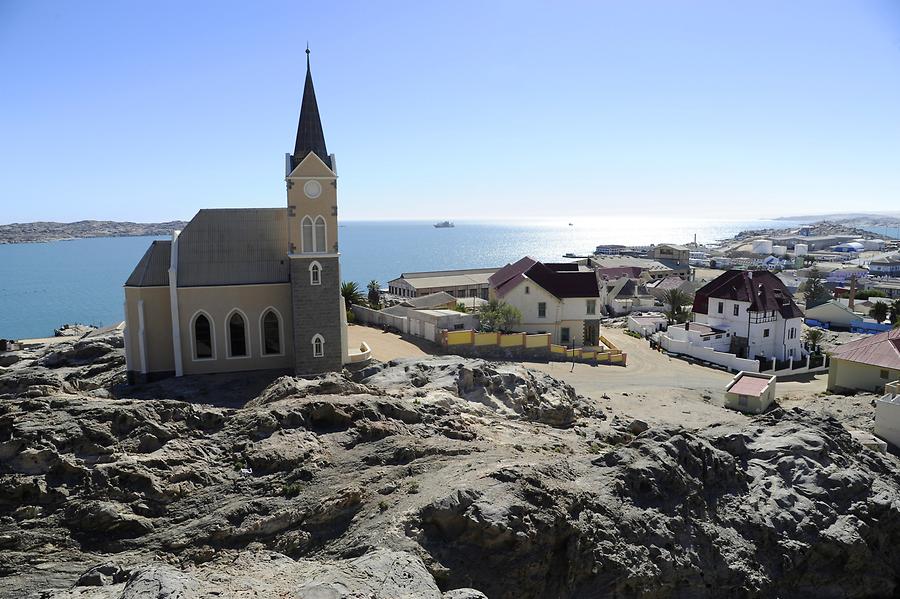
(652, 387)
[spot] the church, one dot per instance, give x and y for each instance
(248, 288)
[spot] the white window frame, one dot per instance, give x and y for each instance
(193, 335)
(321, 340)
(262, 332)
(247, 343)
(315, 266)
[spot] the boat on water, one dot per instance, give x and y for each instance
(444, 225)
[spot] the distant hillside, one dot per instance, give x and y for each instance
(50, 231)
(858, 219)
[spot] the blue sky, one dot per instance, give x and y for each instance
(149, 111)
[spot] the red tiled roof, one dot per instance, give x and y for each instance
(882, 350)
(510, 275)
(762, 289)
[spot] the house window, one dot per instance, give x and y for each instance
(721, 307)
(458, 327)
(791, 353)
(542, 309)
(237, 336)
(883, 374)
(202, 338)
(765, 332)
(318, 343)
(564, 334)
(591, 306)
(315, 274)
(271, 329)
(527, 289)
(736, 309)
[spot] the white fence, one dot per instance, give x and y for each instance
(730, 361)
(376, 318)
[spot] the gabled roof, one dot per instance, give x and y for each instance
(234, 246)
(831, 305)
(881, 350)
(310, 137)
(510, 275)
(762, 289)
(153, 268)
(561, 284)
(441, 298)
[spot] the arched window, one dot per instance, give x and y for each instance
(320, 234)
(315, 274)
(203, 339)
(306, 227)
(271, 333)
(318, 343)
(237, 336)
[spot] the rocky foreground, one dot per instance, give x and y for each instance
(437, 478)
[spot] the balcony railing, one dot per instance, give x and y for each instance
(759, 317)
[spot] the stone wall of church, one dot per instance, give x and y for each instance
(316, 311)
(156, 358)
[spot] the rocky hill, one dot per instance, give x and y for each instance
(434, 478)
(51, 231)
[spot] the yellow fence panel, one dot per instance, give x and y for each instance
(603, 356)
(539, 340)
(487, 338)
(558, 349)
(616, 358)
(512, 340)
(459, 337)
(607, 342)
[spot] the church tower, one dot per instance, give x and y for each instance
(320, 342)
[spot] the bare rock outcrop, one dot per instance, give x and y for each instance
(443, 477)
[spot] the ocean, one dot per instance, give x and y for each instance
(44, 285)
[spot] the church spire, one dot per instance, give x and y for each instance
(310, 137)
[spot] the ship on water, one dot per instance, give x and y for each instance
(444, 225)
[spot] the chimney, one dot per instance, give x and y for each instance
(852, 292)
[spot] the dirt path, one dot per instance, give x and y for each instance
(652, 387)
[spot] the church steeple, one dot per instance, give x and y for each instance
(310, 137)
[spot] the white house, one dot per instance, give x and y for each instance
(740, 317)
(887, 414)
(758, 311)
(559, 299)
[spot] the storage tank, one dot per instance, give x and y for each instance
(801, 249)
(779, 250)
(762, 246)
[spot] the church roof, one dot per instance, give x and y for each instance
(310, 136)
(234, 246)
(153, 268)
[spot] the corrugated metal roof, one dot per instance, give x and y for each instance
(234, 246)
(153, 268)
(878, 350)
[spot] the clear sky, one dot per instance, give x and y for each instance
(149, 111)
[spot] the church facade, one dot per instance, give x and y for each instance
(247, 289)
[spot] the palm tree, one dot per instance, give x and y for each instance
(813, 337)
(879, 312)
(351, 294)
(895, 312)
(374, 295)
(676, 300)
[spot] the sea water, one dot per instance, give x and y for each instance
(44, 285)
